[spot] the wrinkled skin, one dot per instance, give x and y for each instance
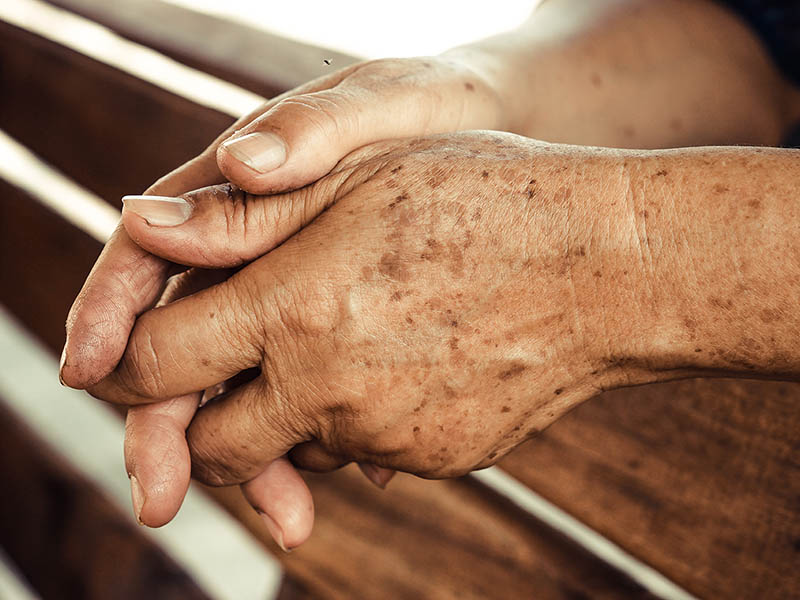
(429, 320)
(320, 123)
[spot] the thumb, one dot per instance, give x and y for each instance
(302, 137)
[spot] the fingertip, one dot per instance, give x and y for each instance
(280, 495)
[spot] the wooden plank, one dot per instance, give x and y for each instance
(68, 540)
(698, 478)
(254, 59)
(417, 539)
(103, 128)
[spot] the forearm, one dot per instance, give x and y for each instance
(718, 236)
(636, 74)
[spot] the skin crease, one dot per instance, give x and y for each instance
(697, 75)
(496, 282)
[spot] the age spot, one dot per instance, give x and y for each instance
(469, 87)
(392, 266)
(506, 409)
(512, 371)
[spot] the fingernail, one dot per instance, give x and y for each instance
(262, 152)
(161, 211)
(274, 530)
(377, 475)
(138, 498)
(61, 364)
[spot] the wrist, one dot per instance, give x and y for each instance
(714, 243)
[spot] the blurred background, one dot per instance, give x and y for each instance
(673, 491)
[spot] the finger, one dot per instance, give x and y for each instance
(157, 458)
(233, 438)
(312, 456)
(189, 345)
(284, 502)
(223, 226)
(302, 137)
(125, 281)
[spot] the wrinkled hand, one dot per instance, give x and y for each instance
(448, 304)
(310, 129)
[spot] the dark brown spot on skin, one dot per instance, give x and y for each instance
(397, 168)
(492, 455)
(530, 193)
(453, 343)
(533, 432)
(597, 81)
(720, 188)
(558, 391)
(469, 87)
(453, 323)
(769, 315)
(597, 274)
(211, 315)
(409, 320)
(662, 173)
(416, 429)
(434, 250)
(205, 362)
(397, 200)
(396, 297)
(644, 214)
(393, 267)
(581, 251)
(513, 371)
(719, 303)
(506, 409)
(485, 174)
(754, 204)
(476, 214)
(419, 408)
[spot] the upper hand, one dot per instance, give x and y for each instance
(446, 306)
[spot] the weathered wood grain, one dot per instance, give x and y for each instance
(698, 478)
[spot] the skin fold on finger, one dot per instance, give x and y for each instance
(284, 502)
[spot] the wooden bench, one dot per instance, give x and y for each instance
(698, 479)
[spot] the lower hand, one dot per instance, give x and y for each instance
(444, 308)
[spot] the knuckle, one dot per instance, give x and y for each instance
(140, 370)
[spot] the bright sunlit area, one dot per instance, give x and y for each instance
(373, 29)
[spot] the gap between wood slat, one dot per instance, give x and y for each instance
(12, 584)
(222, 557)
(606, 550)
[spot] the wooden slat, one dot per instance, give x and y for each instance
(68, 540)
(254, 59)
(95, 124)
(687, 476)
(418, 539)
(698, 478)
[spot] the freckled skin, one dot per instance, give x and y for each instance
(438, 342)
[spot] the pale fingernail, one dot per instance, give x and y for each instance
(262, 152)
(161, 211)
(274, 530)
(377, 475)
(61, 364)
(138, 498)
